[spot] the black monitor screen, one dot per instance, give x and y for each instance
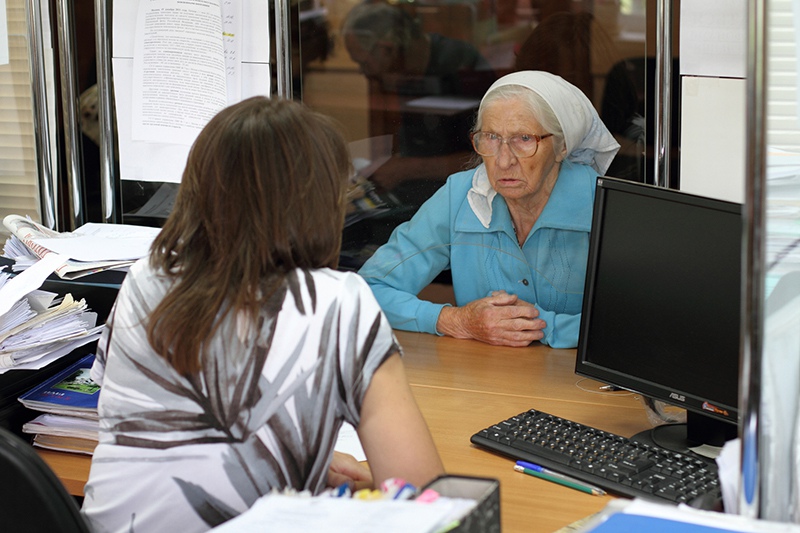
(661, 306)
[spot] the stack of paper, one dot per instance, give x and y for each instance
(36, 327)
(64, 433)
(89, 249)
(286, 513)
(69, 401)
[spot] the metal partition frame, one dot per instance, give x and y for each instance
(750, 503)
(663, 97)
(110, 194)
(70, 104)
(48, 176)
(283, 49)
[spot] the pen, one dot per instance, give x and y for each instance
(544, 473)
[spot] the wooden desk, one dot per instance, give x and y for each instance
(465, 386)
(71, 468)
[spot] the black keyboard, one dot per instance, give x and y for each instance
(617, 464)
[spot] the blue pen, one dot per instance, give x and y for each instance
(556, 477)
(533, 466)
(342, 491)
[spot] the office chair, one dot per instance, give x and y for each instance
(32, 499)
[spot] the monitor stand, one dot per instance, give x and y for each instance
(698, 430)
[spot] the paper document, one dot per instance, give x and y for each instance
(179, 69)
(54, 352)
(713, 38)
(31, 279)
(101, 244)
(67, 323)
(231, 44)
(348, 442)
(175, 64)
(66, 426)
(290, 514)
(4, 55)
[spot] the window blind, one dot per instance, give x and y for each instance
(19, 189)
(783, 123)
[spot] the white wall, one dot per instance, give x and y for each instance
(713, 59)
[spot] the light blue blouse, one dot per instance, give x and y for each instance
(549, 270)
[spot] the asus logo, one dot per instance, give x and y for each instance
(676, 396)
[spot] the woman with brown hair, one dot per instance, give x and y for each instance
(235, 351)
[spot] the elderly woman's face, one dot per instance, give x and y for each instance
(513, 177)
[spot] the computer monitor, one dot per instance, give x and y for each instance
(661, 303)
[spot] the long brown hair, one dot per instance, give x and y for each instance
(262, 194)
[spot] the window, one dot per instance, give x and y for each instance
(19, 190)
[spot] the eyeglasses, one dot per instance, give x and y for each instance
(521, 145)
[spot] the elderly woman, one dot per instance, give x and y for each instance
(514, 231)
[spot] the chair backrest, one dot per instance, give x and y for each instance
(32, 499)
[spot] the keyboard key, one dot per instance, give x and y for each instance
(543, 451)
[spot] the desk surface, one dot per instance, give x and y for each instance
(464, 386)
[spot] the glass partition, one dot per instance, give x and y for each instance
(405, 79)
(780, 355)
(407, 103)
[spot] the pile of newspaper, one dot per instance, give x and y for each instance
(36, 326)
(89, 249)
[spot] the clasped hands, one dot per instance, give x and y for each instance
(501, 319)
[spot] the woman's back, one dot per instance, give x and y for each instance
(263, 412)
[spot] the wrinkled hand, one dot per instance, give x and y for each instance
(501, 319)
(346, 469)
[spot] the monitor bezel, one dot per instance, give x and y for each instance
(659, 391)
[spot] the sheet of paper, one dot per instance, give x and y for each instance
(257, 28)
(4, 57)
(232, 44)
(348, 442)
(40, 300)
(19, 313)
(713, 38)
(141, 160)
(290, 514)
(157, 152)
(179, 70)
(50, 356)
(729, 464)
(704, 137)
(104, 242)
(255, 25)
(163, 162)
(28, 280)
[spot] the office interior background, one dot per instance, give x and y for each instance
(608, 48)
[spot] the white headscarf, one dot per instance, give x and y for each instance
(588, 141)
